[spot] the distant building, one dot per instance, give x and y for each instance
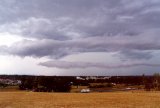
(85, 91)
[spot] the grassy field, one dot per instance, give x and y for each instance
(79, 100)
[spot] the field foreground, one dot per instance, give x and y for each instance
(79, 100)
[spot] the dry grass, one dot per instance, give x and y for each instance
(79, 100)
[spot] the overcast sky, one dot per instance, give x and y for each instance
(79, 37)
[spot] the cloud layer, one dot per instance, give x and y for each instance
(58, 28)
(129, 46)
(72, 65)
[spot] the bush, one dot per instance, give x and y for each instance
(100, 85)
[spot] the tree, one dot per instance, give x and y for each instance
(156, 81)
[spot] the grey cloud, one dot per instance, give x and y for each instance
(40, 28)
(3, 50)
(57, 48)
(85, 18)
(57, 28)
(63, 27)
(71, 65)
(134, 54)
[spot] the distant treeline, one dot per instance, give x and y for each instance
(64, 83)
(46, 83)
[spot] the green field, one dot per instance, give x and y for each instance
(80, 100)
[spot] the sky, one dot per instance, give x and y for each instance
(80, 37)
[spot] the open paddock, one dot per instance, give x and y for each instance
(80, 100)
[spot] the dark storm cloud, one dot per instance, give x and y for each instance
(67, 19)
(135, 54)
(71, 65)
(63, 27)
(58, 49)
